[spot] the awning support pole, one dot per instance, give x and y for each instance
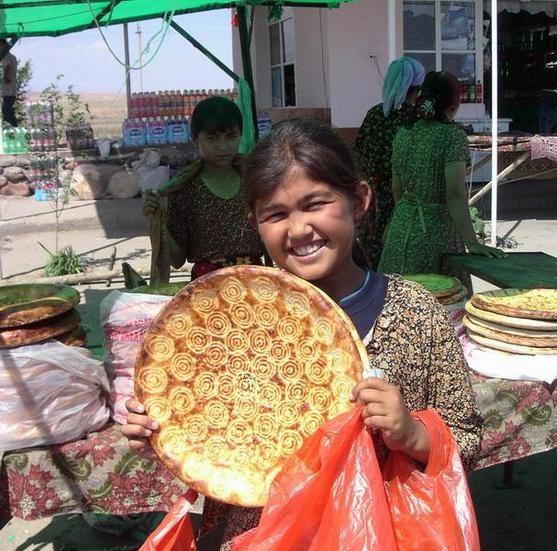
(11, 43)
(127, 61)
(246, 61)
(494, 120)
(204, 50)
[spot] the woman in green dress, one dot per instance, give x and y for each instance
(373, 147)
(431, 216)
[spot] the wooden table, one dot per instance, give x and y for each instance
(516, 271)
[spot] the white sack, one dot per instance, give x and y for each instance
(125, 318)
(50, 394)
(123, 185)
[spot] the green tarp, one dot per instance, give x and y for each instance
(20, 18)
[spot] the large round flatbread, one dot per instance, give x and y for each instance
(523, 303)
(238, 368)
(28, 303)
(500, 334)
(507, 347)
(437, 284)
(510, 321)
(40, 330)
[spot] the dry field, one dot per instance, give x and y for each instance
(109, 110)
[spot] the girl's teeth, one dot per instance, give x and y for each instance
(308, 249)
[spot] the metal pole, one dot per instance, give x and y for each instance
(140, 57)
(246, 61)
(127, 60)
(391, 23)
(494, 120)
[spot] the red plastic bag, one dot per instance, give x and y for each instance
(175, 532)
(332, 495)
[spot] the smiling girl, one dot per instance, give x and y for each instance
(305, 197)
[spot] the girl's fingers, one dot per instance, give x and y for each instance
(373, 383)
(138, 444)
(134, 406)
(374, 409)
(141, 421)
(372, 396)
(134, 431)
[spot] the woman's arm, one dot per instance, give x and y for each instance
(176, 252)
(396, 186)
(455, 179)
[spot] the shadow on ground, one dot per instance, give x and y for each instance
(522, 518)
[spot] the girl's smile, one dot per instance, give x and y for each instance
(308, 228)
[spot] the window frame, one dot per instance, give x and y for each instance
(477, 51)
(288, 15)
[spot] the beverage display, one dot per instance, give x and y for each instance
(171, 103)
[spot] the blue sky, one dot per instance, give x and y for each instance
(85, 61)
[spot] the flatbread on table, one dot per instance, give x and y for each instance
(508, 347)
(454, 299)
(27, 303)
(532, 339)
(40, 330)
(510, 321)
(76, 337)
(524, 303)
(437, 284)
(238, 369)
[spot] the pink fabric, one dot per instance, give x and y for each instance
(544, 146)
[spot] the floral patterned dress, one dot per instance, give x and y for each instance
(415, 345)
(421, 229)
(373, 148)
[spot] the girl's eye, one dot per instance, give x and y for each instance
(274, 217)
(315, 205)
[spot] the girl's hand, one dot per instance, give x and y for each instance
(151, 203)
(386, 411)
(484, 250)
(139, 425)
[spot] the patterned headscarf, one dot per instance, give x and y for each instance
(401, 74)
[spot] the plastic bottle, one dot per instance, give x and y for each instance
(264, 123)
(177, 130)
(479, 92)
(472, 93)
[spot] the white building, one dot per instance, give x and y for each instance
(334, 60)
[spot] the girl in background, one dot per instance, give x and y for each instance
(199, 216)
(305, 197)
(373, 147)
(431, 217)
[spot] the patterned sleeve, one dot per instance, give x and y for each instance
(176, 220)
(366, 142)
(451, 392)
(457, 145)
(398, 153)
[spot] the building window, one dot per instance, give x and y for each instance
(283, 81)
(441, 35)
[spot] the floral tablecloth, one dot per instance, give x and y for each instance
(101, 474)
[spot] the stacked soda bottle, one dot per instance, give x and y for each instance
(471, 92)
(162, 117)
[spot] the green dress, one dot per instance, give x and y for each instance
(373, 149)
(421, 230)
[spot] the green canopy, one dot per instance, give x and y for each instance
(20, 18)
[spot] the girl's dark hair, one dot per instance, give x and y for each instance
(215, 114)
(309, 144)
(440, 91)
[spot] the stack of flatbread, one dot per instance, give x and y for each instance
(238, 369)
(446, 289)
(518, 321)
(32, 313)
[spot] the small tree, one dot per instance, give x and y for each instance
(54, 96)
(23, 79)
(78, 111)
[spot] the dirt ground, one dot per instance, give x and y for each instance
(522, 518)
